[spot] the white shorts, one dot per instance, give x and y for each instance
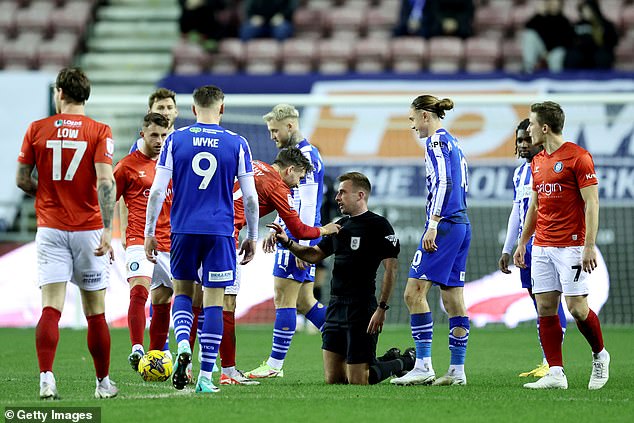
(558, 269)
(137, 265)
(68, 256)
(231, 289)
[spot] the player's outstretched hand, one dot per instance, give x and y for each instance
(589, 259)
(247, 248)
(518, 257)
(278, 236)
(301, 264)
(268, 245)
(503, 263)
(105, 246)
(150, 245)
(329, 229)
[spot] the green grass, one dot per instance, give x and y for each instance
(494, 393)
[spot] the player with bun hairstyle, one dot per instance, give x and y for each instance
(441, 258)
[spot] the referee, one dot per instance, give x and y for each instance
(353, 319)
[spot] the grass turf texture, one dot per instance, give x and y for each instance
(495, 357)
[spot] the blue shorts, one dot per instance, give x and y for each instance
(525, 274)
(216, 254)
(447, 265)
(286, 268)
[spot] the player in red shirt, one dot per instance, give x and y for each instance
(273, 184)
(134, 175)
(74, 203)
(564, 215)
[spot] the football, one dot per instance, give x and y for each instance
(155, 366)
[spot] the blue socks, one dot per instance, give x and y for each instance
(458, 344)
(183, 317)
(283, 331)
(317, 315)
(210, 338)
(422, 330)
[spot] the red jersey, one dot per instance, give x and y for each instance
(273, 194)
(134, 175)
(64, 148)
(557, 179)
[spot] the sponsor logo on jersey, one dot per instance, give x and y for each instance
(195, 130)
(462, 276)
(224, 276)
(142, 174)
(67, 122)
(591, 176)
(549, 188)
(559, 166)
(393, 239)
(355, 242)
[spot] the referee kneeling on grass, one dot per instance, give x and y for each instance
(354, 320)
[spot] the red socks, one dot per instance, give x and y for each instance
(136, 314)
(159, 326)
(99, 343)
(591, 329)
(551, 336)
(46, 338)
(228, 343)
(192, 334)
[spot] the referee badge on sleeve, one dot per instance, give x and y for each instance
(355, 241)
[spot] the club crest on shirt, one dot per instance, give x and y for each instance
(559, 166)
(355, 241)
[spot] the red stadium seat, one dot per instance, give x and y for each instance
(334, 56)
(58, 51)
(625, 55)
(298, 55)
(627, 21)
(36, 17)
(8, 10)
(372, 55)
(308, 23)
(262, 56)
(446, 54)
(482, 54)
(232, 49)
(345, 22)
(74, 16)
(188, 55)
(512, 55)
(408, 54)
(22, 52)
(494, 18)
(521, 15)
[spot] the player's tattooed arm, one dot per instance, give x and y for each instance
(24, 179)
(106, 192)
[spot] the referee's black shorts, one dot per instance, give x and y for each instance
(346, 329)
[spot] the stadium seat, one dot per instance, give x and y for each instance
(627, 21)
(8, 11)
(262, 56)
(371, 55)
(298, 55)
(380, 21)
(36, 17)
(307, 22)
(625, 55)
(74, 16)
(408, 54)
(345, 22)
(512, 55)
(482, 54)
(188, 55)
(521, 15)
(334, 56)
(446, 54)
(22, 52)
(493, 18)
(232, 49)
(612, 9)
(58, 51)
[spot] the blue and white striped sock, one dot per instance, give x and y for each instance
(210, 339)
(283, 331)
(458, 344)
(183, 317)
(422, 331)
(317, 315)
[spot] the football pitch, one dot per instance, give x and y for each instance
(494, 392)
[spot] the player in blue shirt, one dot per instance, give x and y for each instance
(293, 278)
(522, 190)
(441, 258)
(202, 160)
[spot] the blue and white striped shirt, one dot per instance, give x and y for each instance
(522, 190)
(447, 178)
